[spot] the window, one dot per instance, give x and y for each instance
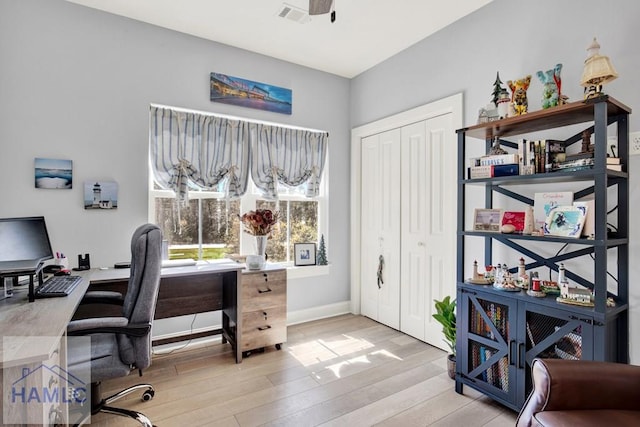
(209, 227)
(206, 159)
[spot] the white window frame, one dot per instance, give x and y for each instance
(248, 202)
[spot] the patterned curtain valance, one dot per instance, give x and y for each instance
(288, 156)
(198, 150)
(192, 149)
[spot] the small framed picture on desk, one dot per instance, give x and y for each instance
(305, 254)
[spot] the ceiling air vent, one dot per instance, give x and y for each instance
(293, 13)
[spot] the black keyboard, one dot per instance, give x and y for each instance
(58, 286)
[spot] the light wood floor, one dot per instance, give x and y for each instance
(343, 371)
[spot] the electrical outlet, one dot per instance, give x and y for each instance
(634, 143)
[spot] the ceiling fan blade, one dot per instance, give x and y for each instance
(319, 7)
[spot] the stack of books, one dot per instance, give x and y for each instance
(613, 163)
(494, 166)
(582, 161)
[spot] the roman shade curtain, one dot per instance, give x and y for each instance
(287, 156)
(200, 150)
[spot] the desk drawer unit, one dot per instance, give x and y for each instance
(264, 309)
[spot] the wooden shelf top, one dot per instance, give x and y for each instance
(562, 115)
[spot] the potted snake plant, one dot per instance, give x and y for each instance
(446, 316)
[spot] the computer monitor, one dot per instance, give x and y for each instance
(24, 244)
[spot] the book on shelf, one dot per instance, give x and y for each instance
(483, 358)
(489, 371)
(496, 159)
(526, 156)
(554, 154)
(504, 373)
(613, 160)
(613, 163)
(492, 171)
(539, 148)
(544, 203)
(579, 156)
(576, 163)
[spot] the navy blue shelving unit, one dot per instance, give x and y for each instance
(500, 333)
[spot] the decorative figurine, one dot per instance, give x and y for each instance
(519, 94)
(562, 278)
(503, 104)
(528, 220)
(497, 89)
(523, 279)
(551, 90)
(586, 143)
(496, 149)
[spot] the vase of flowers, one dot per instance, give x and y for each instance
(259, 224)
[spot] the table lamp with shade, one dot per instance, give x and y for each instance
(597, 71)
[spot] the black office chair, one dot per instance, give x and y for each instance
(120, 345)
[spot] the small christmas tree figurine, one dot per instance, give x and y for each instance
(322, 253)
(497, 89)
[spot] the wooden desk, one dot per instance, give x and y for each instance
(183, 290)
(253, 302)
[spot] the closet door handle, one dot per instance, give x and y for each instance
(521, 356)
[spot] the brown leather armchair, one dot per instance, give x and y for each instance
(582, 393)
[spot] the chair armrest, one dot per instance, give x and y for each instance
(580, 384)
(102, 297)
(113, 325)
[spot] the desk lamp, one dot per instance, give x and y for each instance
(597, 71)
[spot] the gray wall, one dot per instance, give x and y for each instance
(76, 83)
(515, 38)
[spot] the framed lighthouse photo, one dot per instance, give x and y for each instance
(100, 195)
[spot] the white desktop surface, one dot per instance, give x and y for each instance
(110, 274)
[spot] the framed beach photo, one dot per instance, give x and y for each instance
(53, 173)
(305, 253)
(487, 220)
(566, 221)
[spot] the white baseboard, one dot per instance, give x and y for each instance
(293, 318)
(320, 312)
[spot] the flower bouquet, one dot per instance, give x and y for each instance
(259, 222)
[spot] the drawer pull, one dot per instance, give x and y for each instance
(264, 291)
(264, 328)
